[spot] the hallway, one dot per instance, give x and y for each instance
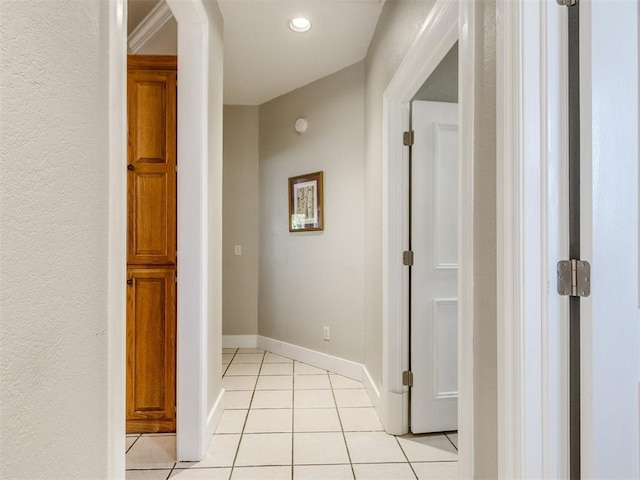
(285, 419)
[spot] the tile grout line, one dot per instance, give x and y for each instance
(171, 470)
(450, 441)
(344, 436)
(246, 419)
(134, 442)
(234, 356)
(405, 456)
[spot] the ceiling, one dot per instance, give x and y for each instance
(265, 59)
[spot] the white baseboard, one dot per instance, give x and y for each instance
(372, 389)
(216, 413)
(325, 361)
(393, 411)
(239, 341)
(392, 408)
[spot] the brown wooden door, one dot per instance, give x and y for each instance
(151, 244)
(151, 349)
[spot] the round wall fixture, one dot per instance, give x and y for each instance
(299, 24)
(301, 125)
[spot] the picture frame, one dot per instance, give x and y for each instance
(306, 203)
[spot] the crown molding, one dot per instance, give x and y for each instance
(149, 26)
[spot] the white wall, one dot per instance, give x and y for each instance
(54, 181)
(240, 221)
(311, 279)
(214, 328)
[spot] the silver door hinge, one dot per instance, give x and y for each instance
(567, 3)
(407, 138)
(407, 258)
(574, 278)
(407, 378)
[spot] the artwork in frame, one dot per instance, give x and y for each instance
(306, 207)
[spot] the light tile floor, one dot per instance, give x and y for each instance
(287, 420)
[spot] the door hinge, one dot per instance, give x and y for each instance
(574, 278)
(407, 138)
(567, 3)
(407, 378)
(407, 258)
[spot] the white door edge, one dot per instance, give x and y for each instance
(609, 223)
(117, 261)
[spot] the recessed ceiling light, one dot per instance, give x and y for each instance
(299, 24)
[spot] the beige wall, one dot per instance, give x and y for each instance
(214, 328)
(442, 84)
(311, 279)
(484, 244)
(398, 26)
(54, 196)
(163, 42)
(240, 221)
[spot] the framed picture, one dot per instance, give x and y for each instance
(306, 208)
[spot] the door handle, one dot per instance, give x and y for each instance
(130, 281)
(130, 167)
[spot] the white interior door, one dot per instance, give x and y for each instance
(610, 317)
(434, 241)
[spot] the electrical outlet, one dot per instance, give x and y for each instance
(326, 334)
(237, 250)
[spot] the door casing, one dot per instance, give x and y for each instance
(532, 235)
(446, 23)
(192, 316)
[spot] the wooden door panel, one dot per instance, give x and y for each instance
(151, 188)
(151, 218)
(150, 121)
(151, 323)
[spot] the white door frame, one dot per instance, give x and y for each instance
(117, 261)
(532, 236)
(192, 292)
(447, 22)
(191, 385)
